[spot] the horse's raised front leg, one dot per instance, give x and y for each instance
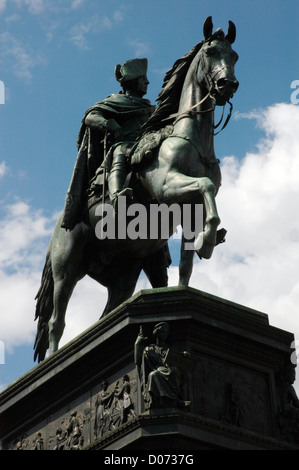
(179, 188)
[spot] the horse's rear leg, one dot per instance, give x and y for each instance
(66, 258)
(120, 279)
(63, 289)
(155, 267)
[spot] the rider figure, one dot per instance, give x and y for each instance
(120, 115)
(133, 79)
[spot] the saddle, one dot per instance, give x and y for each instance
(144, 149)
(138, 154)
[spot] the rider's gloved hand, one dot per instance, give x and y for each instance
(115, 129)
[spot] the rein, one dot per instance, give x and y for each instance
(213, 109)
(172, 116)
(190, 111)
(226, 120)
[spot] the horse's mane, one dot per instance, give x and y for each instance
(169, 97)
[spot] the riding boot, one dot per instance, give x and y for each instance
(116, 179)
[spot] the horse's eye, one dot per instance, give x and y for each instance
(211, 51)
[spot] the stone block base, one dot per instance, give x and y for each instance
(235, 395)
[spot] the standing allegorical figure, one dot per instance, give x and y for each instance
(163, 383)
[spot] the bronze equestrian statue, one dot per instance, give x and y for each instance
(163, 155)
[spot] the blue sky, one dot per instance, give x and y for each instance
(57, 58)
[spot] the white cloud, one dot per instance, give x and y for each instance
(85, 308)
(258, 266)
(118, 16)
(2, 5)
(12, 18)
(24, 234)
(141, 48)
(3, 169)
(34, 6)
(76, 4)
(78, 34)
(17, 57)
(20, 231)
(81, 32)
(18, 291)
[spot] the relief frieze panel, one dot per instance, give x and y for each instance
(96, 413)
(231, 394)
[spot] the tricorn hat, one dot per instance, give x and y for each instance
(131, 69)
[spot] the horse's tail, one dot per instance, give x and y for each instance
(43, 311)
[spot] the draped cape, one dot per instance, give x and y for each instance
(120, 107)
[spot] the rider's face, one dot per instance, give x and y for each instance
(142, 85)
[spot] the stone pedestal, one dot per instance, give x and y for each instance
(89, 395)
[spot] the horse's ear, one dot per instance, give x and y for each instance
(231, 33)
(208, 28)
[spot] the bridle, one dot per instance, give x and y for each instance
(210, 76)
(210, 94)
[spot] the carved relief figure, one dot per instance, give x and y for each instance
(69, 435)
(124, 402)
(21, 443)
(289, 414)
(60, 438)
(75, 427)
(161, 379)
(104, 399)
(38, 442)
(233, 407)
(113, 408)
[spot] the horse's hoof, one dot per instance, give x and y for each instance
(206, 251)
(203, 247)
(220, 236)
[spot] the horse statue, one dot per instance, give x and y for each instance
(181, 169)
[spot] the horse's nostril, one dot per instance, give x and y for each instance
(222, 82)
(226, 83)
